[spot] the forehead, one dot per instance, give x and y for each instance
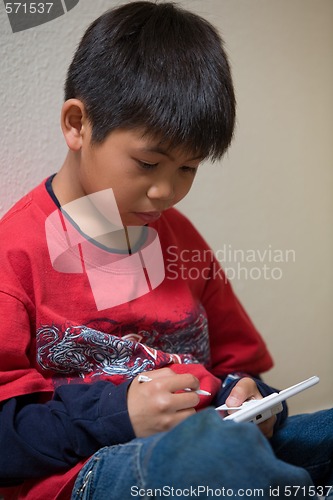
(140, 141)
(173, 149)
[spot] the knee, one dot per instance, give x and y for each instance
(204, 449)
(205, 434)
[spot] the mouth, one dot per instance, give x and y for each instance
(148, 216)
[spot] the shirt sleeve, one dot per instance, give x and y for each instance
(17, 375)
(43, 439)
(235, 343)
(40, 436)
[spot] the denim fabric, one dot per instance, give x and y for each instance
(307, 441)
(202, 457)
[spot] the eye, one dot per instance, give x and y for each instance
(147, 166)
(189, 170)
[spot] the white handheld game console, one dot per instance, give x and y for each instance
(259, 410)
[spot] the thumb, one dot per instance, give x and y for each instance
(238, 395)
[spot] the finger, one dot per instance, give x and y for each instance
(178, 382)
(182, 381)
(170, 420)
(245, 389)
(267, 427)
(183, 414)
(164, 403)
(161, 372)
(185, 400)
(169, 391)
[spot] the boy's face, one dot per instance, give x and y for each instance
(145, 176)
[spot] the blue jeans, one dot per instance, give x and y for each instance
(307, 441)
(208, 458)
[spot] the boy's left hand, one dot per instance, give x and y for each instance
(246, 389)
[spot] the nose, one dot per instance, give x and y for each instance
(161, 190)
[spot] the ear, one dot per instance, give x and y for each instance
(73, 120)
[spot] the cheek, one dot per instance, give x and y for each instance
(91, 174)
(127, 193)
(183, 189)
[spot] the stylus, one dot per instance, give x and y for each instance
(201, 392)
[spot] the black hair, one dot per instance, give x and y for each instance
(160, 68)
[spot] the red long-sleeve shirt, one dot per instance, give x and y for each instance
(62, 325)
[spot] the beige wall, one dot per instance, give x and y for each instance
(266, 209)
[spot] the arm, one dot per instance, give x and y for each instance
(46, 438)
(236, 346)
(235, 343)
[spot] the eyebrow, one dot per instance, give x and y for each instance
(162, 151)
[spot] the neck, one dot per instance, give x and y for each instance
(65, 183)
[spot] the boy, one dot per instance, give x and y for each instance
(89, 301)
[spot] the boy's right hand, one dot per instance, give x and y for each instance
(156, 406)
